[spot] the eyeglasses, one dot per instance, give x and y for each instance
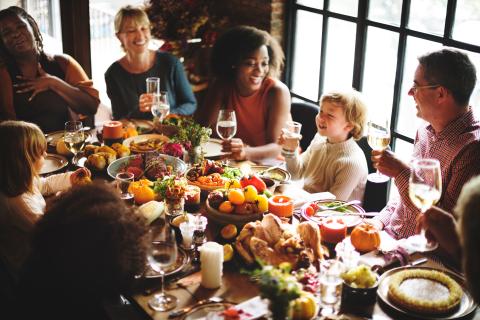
(415, 88)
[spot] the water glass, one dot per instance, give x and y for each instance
(153, 85)
(187, 228)
(123, 180)
(330, 286)
(291, 133)
(160, 106)
(74, 136)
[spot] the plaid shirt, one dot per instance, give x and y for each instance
(457, 148)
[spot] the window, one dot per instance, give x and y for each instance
(373, 46)
(47, 15)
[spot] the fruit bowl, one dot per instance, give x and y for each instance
(230, 218)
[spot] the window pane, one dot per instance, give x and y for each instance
(47, 15)
(340, 54)
(306, 64)
(317, 4)
(475, 98)
(404, 150)
(379, 70)
(105, 47)
(407, 119)
(347, 7)
(428, 16)
(467, 21)
(386, 11)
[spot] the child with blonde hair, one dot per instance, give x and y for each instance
(333, 162)
(22, 189)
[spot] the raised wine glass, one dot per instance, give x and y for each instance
(74, 136)
(160, 106)
(162, 254)
(425, 189)
(226, 124)
(378, 138)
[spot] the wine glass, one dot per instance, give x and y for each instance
(425, 189)
(226, 124)
(160, 106)
(162, 254)
(74, 136)
(378, 138)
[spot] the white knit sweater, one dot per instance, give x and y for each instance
(340, 168)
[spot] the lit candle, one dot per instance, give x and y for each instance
(333, 230)
(112, 132)
(211, 259)
(281, 206)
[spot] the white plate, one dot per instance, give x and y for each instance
(53, 163)
(213, 148)
(142, 125)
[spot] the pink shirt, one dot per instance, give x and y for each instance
(457, 148)
(252, 114)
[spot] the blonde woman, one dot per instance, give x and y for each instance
(22, 189)
(334, 162)
(126, 77)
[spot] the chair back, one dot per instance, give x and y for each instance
(376, 194)
(305, 113)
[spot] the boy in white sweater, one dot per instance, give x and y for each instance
(333, 162)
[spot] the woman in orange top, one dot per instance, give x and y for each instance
(37, 87)
(245, 63)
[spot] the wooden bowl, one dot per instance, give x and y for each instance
(230, 218)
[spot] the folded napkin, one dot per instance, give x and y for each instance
(248, 310)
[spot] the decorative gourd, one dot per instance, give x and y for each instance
(304, 308)
(365, 237)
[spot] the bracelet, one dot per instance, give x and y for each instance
(289, 155)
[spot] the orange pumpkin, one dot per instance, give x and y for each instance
(365, 237)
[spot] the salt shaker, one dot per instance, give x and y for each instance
(199, 237)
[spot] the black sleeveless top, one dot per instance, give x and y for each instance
(48, 109)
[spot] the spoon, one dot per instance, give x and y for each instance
(178, 313)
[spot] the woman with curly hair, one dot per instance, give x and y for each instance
(37, 87)
(86, 250)
(246, 63)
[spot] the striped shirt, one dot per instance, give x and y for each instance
(457, 148)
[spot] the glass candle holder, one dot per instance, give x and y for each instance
(192, 199)
(174, 206)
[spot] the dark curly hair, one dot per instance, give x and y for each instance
(14, 11)
(451, 69)
(88, 242)
(236, 44)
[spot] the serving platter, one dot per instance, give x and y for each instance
(116, 166)
(276, 173)
(143, 138)
(53, 163)
(351, 219)
(467, 304)
(230, 218)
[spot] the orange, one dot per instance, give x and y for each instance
(229, 231)
(236, 196)
(226, 207)
(142, 193)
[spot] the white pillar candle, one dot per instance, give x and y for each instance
(211, 259)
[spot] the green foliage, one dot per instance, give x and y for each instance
(191, 131)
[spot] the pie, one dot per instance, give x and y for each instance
(424, 291)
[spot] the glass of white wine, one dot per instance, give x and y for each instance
(226, 124)
(74, 136)
(160, 106)
(425, 189)
(161, 255)
(378, 137)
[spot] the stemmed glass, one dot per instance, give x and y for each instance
(161, 255)
(425, 189)
(74, 136)
(160, 106)
(378, 138)
(226, 124)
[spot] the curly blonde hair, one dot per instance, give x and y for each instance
(468, 210)
(354, 108)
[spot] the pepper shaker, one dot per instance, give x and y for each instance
(199, 236)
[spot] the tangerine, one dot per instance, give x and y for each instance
(226, 207)
(236, 196)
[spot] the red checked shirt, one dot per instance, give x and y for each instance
(457, 148)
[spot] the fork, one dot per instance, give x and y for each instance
(185, 310)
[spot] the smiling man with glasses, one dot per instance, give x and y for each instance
(443, 83)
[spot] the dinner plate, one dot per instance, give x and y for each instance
(213, 148)
(178, 165)
(141, 125)
(278, 174)
(349, 219)
(230, 218)
(211, 310)
(183, 259)
(53, 163)
(142, 138)
(53, 137)
(467, 304)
